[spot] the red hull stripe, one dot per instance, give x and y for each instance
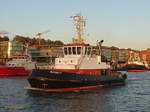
(13, 71)
(78, 88)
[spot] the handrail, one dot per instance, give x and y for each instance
(79, 62)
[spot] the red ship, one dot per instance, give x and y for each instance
(20, 65)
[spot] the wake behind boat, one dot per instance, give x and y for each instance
(79, 69)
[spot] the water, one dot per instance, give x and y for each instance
(133, 97)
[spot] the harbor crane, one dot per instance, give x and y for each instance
(39, 35)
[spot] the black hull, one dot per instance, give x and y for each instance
(132, 67)
(135, 67)
(46, 79)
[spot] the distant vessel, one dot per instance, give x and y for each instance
(20, 65)
(134, 63)
(79, 69)
(136, 66)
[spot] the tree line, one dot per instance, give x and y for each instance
(32, 41)
(4, 38)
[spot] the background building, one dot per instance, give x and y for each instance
(8, 49)
(45, 53)
(146, 55)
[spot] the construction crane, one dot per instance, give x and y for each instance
(39, 35)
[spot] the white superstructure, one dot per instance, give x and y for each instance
(79, 56)
(22, 61)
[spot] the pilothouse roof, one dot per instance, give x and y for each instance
(76, 44)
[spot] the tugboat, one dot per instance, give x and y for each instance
(79, 69)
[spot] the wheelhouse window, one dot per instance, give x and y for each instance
(65, 51)
(69, 49)
(74, 50)
(78, 50)
(85, 50)
(88, 51)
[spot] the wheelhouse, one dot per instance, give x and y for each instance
(19, 59)
(77, 49)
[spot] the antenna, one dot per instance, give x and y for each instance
(79, 22)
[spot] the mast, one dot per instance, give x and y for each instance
(79, 22)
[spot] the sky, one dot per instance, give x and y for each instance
(120, 23)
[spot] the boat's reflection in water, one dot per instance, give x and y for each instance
(75, 101)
